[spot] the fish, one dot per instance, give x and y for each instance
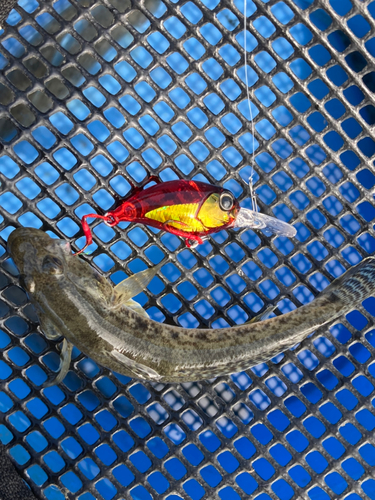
(76, 302)
(190, 209)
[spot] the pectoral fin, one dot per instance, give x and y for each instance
(48, 328)
(135, 284)
(65, 358)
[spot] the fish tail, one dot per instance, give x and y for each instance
(355, 285)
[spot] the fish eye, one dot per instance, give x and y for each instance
(52, 265)
(226, 201)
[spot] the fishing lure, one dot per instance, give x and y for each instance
(189, 209)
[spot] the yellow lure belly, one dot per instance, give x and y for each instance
(178, 216)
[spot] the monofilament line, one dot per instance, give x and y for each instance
(253, 197)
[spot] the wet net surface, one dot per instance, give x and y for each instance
(96, 96)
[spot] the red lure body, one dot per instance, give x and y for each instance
(182, 199)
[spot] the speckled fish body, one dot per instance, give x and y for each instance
(75, 301)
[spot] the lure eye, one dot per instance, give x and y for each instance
(226, 201)
(52, 265)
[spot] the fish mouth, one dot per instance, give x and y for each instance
(256, 220)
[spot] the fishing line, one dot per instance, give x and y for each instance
(253, 218)
(253, 196)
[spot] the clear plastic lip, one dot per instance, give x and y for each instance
(255, 220)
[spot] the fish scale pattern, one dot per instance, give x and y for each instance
(97, 95)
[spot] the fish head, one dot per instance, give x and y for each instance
(38, 257)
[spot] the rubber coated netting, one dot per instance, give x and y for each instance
(96, 95)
